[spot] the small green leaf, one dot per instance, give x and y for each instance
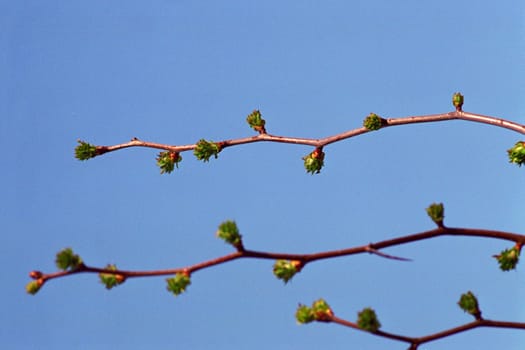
(509, 258)
(314, 162)
(285, 269)
(85, 151)
(517, 153)
(167, 161)
(436, 211)
(205, 149)
(229, 232)
(469, 303)
(256, 122)
(111, 280)
(367, 320)
(67, 260)
(457, 101)
(177, 285)
(373, 122)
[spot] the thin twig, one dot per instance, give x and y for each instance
(373, 248)
(263, 137)
(416, 341)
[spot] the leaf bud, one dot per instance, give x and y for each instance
(373, 122)
(285, 270)
(457, 101)
(314, 161)
(256, 122)
(436, 211)
(367, 320)
(469, 303)
(205, 149)
(178, 284)
(517, 153)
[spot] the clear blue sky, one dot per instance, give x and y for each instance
(177, 71)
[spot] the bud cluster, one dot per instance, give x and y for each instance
(314, 161)
(509, 258)
(167, 161)
(436, 211)
(517, 153)
(469, 303)
(229, 232)
(256, 122)
(286, 269)
(319, 311)
(177, 284)
(67, 260)
(110, 280)
(367, 320)
(205, 149)
(85, 151)
(373, 122)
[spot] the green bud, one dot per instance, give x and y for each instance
(177, 285)
(34, 286)
(111, 280)
(285, 270)
(469, 303)
(167, 161)
(457, 101)
(314, 161)
(229, 232)
(256, 122)
(373, 122)
(517, 153)
(509, 258)
(304, 314)
(205, 149)
(67, 260)
(85, 151)
(322, 310)
(367, 320)
(436, 212)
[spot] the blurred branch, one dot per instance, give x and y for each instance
(368, 321)
(416, 341)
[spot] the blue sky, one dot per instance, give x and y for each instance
(178, 71)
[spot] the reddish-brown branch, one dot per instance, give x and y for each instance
(372, 248)
(461, 115)
(416, 341)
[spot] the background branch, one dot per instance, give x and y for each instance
(416, 341)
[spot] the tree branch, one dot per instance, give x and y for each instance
(372, 248)
(416, 341)
(135, 142)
